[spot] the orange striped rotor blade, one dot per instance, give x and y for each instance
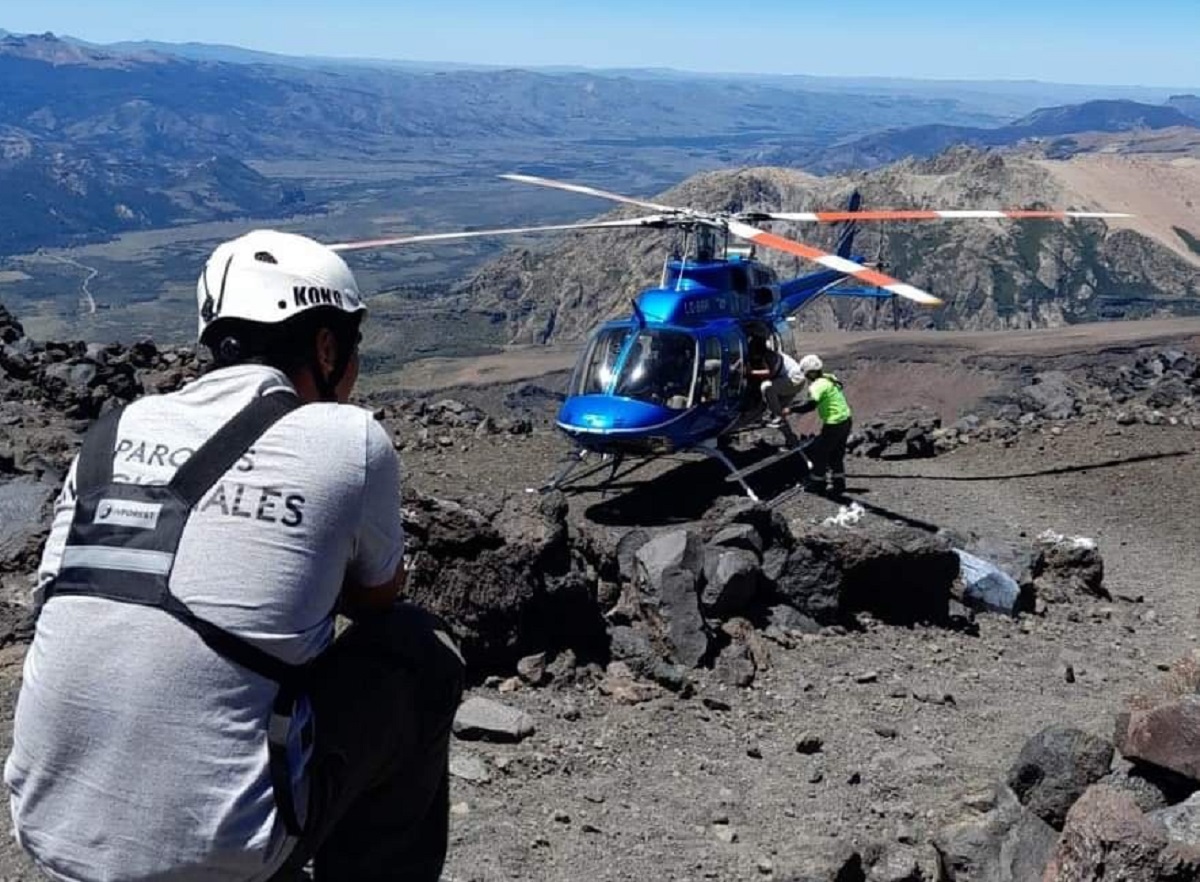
(833, 217)
(832, 261)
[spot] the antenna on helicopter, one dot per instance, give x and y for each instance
(638, 314)
(880, 265)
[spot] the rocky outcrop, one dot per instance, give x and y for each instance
(502, 576)
(1136, 818)
(1018, 275)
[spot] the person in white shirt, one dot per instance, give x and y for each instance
(186, 712)
(781, 381)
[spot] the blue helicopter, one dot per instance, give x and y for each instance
(672, 377)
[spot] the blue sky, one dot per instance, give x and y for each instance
(1117, 42)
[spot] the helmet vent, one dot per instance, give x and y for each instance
(265, 257)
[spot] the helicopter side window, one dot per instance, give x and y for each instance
(660, 369)
(710, 370)
(599, 365)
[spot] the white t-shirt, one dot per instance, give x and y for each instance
(138, 752)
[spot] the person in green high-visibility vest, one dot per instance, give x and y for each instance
(825, 395)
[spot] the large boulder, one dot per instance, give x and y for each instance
(1180, 822)
(1055, 767)
(671, 609)
(731, 577)
(810, 579)
(678, 549)
(903, 576)
(1166, 735)
(770, 526)
(502, 579)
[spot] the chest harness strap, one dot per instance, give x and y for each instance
(124, 538)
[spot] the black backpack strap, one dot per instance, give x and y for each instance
(218, 454)
(95, 465)
(233, 648)
(278, 728)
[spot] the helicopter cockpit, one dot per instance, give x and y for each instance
(659, 366)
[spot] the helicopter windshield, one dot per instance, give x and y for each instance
(659, 369)
(600, 366)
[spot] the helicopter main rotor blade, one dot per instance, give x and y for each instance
(832, 261)
(831, 217)
(647, 221)
(591, 191)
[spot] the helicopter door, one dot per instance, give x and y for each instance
(710, 370)
(735, 380)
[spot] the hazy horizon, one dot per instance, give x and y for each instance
(1099, 43)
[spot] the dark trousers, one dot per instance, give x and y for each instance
(828, 450)
(384, 697)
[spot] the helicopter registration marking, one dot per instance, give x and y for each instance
(708, 304)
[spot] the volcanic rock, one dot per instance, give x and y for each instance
(1055, 767)
(1006, 843)
(1106, 836)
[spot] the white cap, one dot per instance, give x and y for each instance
(269, 277)
(810, 363)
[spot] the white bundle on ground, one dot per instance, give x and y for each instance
(1049, 537)
(847, 516)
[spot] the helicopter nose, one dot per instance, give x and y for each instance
(604, 414)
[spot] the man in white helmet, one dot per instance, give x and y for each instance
(828, 450)
(185, 712)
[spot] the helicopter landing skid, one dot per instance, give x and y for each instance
(565, 475)
(716, 453)
(741, 475)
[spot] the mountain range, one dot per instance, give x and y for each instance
(882, 148)
(95, 138)
(98, 140)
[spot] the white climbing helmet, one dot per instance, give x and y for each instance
(268, 277)
(810, 363)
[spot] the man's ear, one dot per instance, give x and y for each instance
(326, 351)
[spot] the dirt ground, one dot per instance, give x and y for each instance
(912, 719)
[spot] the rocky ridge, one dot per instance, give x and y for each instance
(990, 274)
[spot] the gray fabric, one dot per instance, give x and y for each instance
(139, 753)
